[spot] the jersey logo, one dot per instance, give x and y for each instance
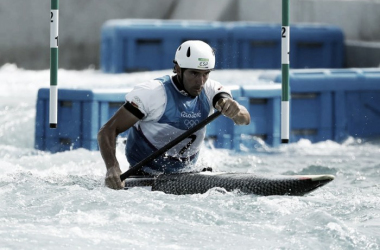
(184, 114)
(190, 123)
(135, 105)
(136, 101)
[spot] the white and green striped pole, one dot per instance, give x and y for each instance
(53, 106)
(285, 32)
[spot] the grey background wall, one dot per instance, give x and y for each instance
(25, 29)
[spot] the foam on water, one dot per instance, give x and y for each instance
(58, 201)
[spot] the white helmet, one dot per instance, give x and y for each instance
(195, 54)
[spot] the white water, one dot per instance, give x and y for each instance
(58, 201)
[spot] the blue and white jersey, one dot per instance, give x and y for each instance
(168, 113)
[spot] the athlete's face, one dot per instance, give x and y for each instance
(194, 80)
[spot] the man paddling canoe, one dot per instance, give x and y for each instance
(160, 110)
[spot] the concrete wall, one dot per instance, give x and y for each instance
(359, 19)
(211, 10)
(361, 54)
(25, 29)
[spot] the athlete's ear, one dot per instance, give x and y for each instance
(177, 69)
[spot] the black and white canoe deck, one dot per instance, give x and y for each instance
(193, 183)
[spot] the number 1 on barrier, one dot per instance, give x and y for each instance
(53, 105)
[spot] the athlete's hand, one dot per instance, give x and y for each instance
(113, 178)
(232, 109)
(228, 107)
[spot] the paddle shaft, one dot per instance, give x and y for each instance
(168, 146)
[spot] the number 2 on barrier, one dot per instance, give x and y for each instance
(54, 29)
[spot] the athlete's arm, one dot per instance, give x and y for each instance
(122, 120)
(232, 109)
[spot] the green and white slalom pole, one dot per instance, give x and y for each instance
(285, 32)
(53, 106)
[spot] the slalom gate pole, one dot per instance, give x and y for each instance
(53, 105)
(285, 97)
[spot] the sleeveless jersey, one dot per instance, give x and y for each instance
(168, 113)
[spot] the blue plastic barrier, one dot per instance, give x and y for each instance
(256, 45)
(357, 103)
(263, 103)
(328, 104)
(143, 45)
(81, 113)
(316, 46)
(333, 104)
(221, 131)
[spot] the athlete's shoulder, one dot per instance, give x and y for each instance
(164, 79)
(148, 96)
(153, 84)
(215, 86)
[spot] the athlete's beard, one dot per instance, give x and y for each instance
(181, 85)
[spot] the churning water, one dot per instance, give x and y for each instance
(58, 201)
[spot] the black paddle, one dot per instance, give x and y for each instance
(168, 146)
